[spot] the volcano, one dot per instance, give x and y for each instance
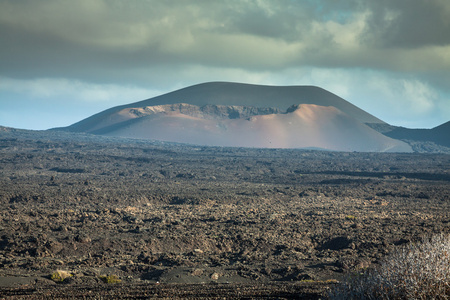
(245, 115)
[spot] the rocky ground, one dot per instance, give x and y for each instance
(170, 220)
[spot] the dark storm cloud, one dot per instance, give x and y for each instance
(409, 24)
(47, 37)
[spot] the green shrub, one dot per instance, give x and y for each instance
(415, 271)
(110, 279)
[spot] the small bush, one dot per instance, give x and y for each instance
(415, 271)
(110, 279)
(59, 276)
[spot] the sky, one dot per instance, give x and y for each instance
(63, 60)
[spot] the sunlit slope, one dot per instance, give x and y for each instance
(303, 126)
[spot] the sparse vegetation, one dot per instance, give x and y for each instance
(258, 226)
(110, 279)
(415, 271)
(59, 276)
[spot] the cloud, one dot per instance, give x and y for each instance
(97, 49)
(409, 24)
(408, 98)
(62, 38)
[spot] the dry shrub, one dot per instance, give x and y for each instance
(415, 271)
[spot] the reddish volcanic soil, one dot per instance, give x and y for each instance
(177, 221)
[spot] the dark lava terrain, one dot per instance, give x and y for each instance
(178, 221)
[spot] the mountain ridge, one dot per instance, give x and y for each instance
(439, 135)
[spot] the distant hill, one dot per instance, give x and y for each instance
(439, 135)
(228, 93)
(245, 115)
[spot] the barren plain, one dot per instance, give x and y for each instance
(181, 221)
